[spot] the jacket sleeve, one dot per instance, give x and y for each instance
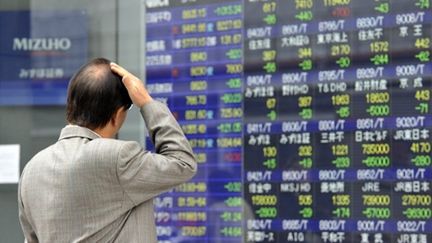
(142, 174)
(29, 233)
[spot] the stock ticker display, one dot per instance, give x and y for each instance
(310, 120)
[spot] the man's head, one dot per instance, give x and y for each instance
(97, 97)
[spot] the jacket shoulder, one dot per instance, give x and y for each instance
(110, 146)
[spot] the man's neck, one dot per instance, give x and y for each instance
(104, 132)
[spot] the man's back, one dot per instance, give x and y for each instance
(92, 189)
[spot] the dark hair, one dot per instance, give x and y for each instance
(95, 93)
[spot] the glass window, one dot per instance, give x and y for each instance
(42, 43)
(309, 119)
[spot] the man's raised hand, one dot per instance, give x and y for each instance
(137, 92)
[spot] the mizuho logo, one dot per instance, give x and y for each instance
(41, 44)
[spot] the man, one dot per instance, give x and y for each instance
(89, 187)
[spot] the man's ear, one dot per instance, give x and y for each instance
(116, 116)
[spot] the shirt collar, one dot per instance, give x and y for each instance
(70, 131)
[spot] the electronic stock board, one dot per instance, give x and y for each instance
(310, 119)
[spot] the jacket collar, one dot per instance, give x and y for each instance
(70, 131)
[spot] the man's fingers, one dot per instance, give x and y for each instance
(119, 70)
(137, 92)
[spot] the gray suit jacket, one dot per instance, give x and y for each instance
(85, 188)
